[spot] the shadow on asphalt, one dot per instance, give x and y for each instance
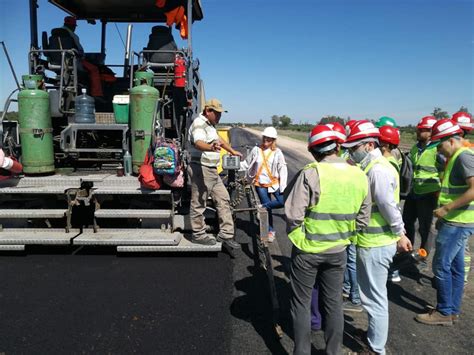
(400, 296)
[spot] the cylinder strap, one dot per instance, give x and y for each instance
(36, 131)
(140, 133)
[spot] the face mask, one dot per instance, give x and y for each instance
(358, 155)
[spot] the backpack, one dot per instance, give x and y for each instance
(166, 157)
(406, 176)
(147, 177)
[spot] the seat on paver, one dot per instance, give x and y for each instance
(161, 40)
(60, 39)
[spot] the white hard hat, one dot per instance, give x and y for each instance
(270, 132)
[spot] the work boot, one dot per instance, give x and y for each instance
(348, 306)
(229, 242)
(433, 317)
(455, 318)
(205, 239)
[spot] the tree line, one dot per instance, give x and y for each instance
(285, 121)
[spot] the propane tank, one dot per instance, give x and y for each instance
(143, 103)
(179, 72)
(36, 132)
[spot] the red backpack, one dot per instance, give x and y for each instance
(146, 175)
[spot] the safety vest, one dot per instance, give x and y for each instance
(332, 221)
(426, 177)
(378, 233)
(395, 163)
(449, 193)
(273, 180)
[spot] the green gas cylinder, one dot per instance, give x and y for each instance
(143, 102)
(36, 132)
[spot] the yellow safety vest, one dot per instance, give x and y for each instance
(426, 176)
(449, 193)
(332, 221)
(378, 233)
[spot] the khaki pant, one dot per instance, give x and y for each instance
(206, 182)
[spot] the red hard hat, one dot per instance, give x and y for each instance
(389, 134)
(69, 20)
(426, 122)
(339, 131)
(444, 128)
(321, 134)
(464, 120)
(349, 125)
(362, 129)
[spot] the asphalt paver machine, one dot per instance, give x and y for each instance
(72, 191)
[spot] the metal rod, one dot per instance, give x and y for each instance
(190, 79)
(102, 39)
(127, 50)
(11, 65)
(34, 24)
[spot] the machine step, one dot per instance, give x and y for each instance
(30, 213)
(12, 247)
(34, 236)
(183, 246)
(128, 237)
(132, 213)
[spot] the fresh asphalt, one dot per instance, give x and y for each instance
(91, 300)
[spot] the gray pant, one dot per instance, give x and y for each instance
(329, 268)
(422, 209)
(206, 182)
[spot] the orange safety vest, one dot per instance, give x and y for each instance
(273, 180)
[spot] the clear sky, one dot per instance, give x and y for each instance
(303, 58)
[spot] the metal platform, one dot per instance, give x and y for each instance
(33, 213)
(132, 213)
(12, 247)
(32, 236)
(184, 246)
(126, 240)
(128, 237)
(103, 183)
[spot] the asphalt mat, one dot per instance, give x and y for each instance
(98, 302)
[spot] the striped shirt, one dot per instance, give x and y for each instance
(202, 130)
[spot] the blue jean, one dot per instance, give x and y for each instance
(448, 267)
(268, 203)
(350, 275)
(372, 271)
